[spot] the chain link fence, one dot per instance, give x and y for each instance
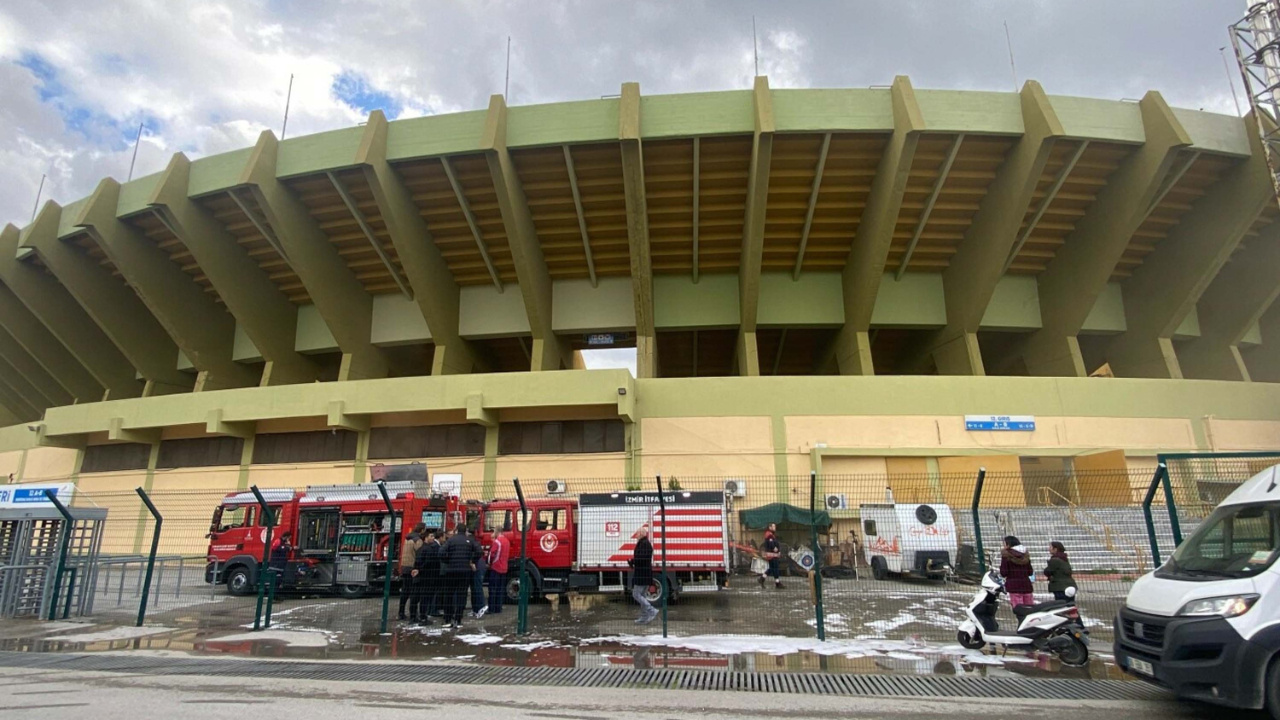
(847, 557)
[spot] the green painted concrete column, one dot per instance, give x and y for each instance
(1166, 287)
(246, 460)
(202, 330)
(49, 302)
(1263, 362)
(629, 134)
(1236, 299)
(752, 256)
(434, 289)
(143, 515)
(33, 337)
(1082, 267)
(259, 308)
(114, 307)
(778, 425)
(865, 268)
(338, 295)
(549, 351)
(490, 486)
(33, 371)
(975, 270)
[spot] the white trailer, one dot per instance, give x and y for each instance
(916, 540)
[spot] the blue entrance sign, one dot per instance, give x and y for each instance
(1015, 423)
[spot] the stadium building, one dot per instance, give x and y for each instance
(865, 281)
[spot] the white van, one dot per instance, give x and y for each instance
(1206, 623)
(908, 539)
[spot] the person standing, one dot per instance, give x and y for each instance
(771, 551)
(280, 550)
(499, 555)
(426, 574)
(641, 563)
(408, 555)
(1058, 571)
(1015, 566)
(478, 606)
(457, 563)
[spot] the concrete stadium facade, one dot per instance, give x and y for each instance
(812, 279)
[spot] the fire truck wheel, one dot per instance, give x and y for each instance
(351, 591)
(513, 584)
(239, 582)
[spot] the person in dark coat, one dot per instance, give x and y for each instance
(1058, 571)
(478, 606)
(426, 574)
(457, 564)
(771, 551)
(405, 560)
(1015, 566)
(280, 550)
(641, 563)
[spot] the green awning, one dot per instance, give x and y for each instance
(786, 516)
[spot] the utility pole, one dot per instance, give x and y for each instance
(755, 45)
(1009, 42)
(135, 152)
(287, 99)
(506, 85)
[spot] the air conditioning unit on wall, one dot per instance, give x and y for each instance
(735, 488)
(556, 487)
(837, 501)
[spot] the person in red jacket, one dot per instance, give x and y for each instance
(1015, 566)
(498, 557)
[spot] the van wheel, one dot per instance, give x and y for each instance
(879, 568)
(239, 582)
(1273, 689)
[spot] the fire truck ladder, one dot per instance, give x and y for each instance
(1256, 39)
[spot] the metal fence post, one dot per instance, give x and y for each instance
(151, 559)
(819, 615)
(270, 521)
(522, 609)
(1161, 471)
(977, 520)
(392, 545)
(1175, 527)
(68, 523)
(666, 585)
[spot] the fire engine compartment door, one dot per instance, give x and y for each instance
(695, 533)
(318, 533)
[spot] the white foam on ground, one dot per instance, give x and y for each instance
(774, 645)
(115, 633)
(530, 647)
(292, 638)
(883, 626)
(480, 639)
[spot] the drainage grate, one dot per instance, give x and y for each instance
(913, 686)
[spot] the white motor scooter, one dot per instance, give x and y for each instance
(1054, 626)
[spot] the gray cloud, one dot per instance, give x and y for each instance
(213, 74)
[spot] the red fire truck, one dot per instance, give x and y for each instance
(340, 534)
(583, 545)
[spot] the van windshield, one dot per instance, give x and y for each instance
(1235, 541)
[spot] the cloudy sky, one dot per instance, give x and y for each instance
(77, 77)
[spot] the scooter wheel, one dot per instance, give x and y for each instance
(969, 642)
(1075, 654)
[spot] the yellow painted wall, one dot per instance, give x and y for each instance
(49, 463)
(1103, 478)
(115, 493)
(300, 475)
(9, 463)
(1225, 435)
(947, 432)
(586, 472)
(729, 446)
(1002, 488)
(860, 479)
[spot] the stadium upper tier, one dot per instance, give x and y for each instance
(753, 232)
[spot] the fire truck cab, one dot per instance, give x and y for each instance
(584, 545)
(341, 536)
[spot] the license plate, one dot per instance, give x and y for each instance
(1142, 666)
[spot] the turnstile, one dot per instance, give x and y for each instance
(30, 544)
